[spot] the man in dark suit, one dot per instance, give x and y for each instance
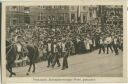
(55, 54)
(65, 53)
(115, 45)
(49, 53)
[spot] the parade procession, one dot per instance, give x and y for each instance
(52, 34)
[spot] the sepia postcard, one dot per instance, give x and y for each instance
(64, 41)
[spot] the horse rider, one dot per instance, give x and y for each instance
(19, 47)
(55, 54)
(101, 45)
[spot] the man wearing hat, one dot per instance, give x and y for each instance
(49, 52)
(19, 47)
(101, 45)
(115, 45)
(59, 48)
(65, 53)
(55, 54)
(109, 43)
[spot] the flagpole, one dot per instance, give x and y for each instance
(78, 13)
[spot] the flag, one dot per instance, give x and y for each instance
(78, 14)
(78, 11)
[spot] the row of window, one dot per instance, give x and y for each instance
(19, 8)
(52, 17)
(54, 7)
(16, 21)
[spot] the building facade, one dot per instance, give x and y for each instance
(17, 15)
(61, 15)
(21, 15)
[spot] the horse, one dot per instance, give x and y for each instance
(10, 57)
(33, 54)
(11, 54)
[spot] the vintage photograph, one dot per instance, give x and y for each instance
(64, 41)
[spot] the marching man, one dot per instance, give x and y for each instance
(49, 52)
(65, 55)
(115, 45)
(55, 54)
(101, 45)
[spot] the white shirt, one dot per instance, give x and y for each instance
(101, 41)
(63, 47)
(90, 41)
(108, 40)
(59, 44)
(15, 39)
(78, 40)
(55, 47)
(49, 46)
(44, 49)
(115, 40)
(19, 47)
(94, 44)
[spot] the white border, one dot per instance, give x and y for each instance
(62, 2)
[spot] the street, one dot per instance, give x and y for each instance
(84, 65)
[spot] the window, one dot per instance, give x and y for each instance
(49, 7)
(54, 7)
(59, 7)
(84, 18)
(72, 8)
(65, 7)
(72, 17)
(38, 17)
(90, 14)
(26, 8)
(46, 7)
(84, 8)
(62, 7)
(14, 8)
(14, 22)
(27, 20)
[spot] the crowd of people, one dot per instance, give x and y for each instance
(56, 41)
